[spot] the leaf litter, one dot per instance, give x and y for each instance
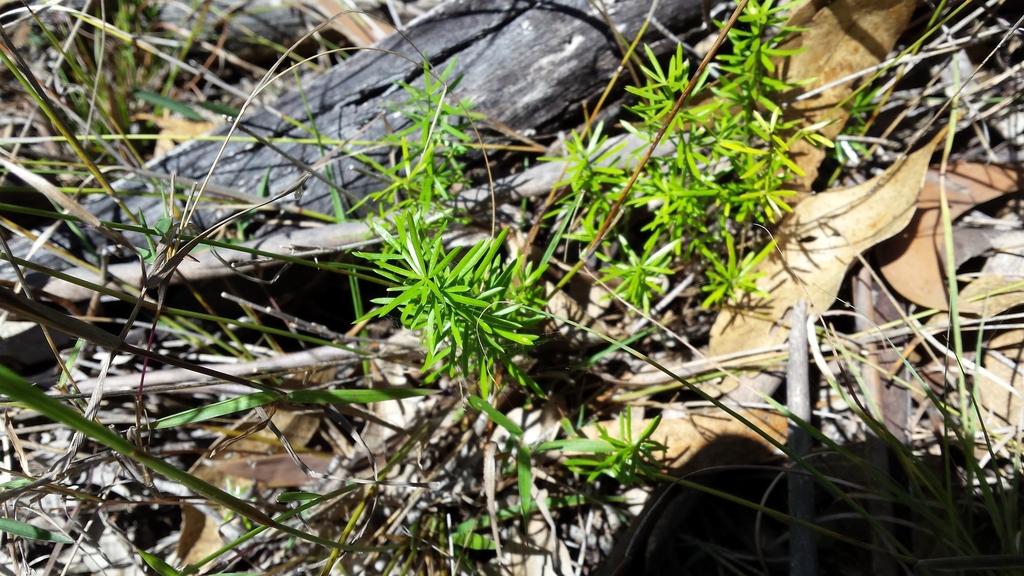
(817, 245)
(913, 262)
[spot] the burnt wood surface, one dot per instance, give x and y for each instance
(531, 65)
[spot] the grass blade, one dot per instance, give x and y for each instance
(354, 396)
(525, 473)
(19, 390)
(223, 408)
(158, 565)
(495, 416)
(29, 531)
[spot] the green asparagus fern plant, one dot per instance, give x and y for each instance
(727, 171)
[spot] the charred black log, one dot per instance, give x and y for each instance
(532, 65)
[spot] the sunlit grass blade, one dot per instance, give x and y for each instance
(524, 466)
(496, 416)
(586, 445)
(19, 390)
(473, 541)
(297, 496)
(236, 543)
(157, 564)
(354, 396)
(169, 103)
(553, 503)
(217, 409)
(29, 531)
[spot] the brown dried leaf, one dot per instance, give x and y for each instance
(200, 536)
(990, 296)
(360, 29)
(1002, 398)
(271, 471)
(845, 37)
(174, 130)
(913, 262)
(817, 244)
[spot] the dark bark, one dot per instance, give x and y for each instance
(529, 64)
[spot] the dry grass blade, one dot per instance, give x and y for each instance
(173, 256)
(59, 198)
(45, 316)
(19, 390)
